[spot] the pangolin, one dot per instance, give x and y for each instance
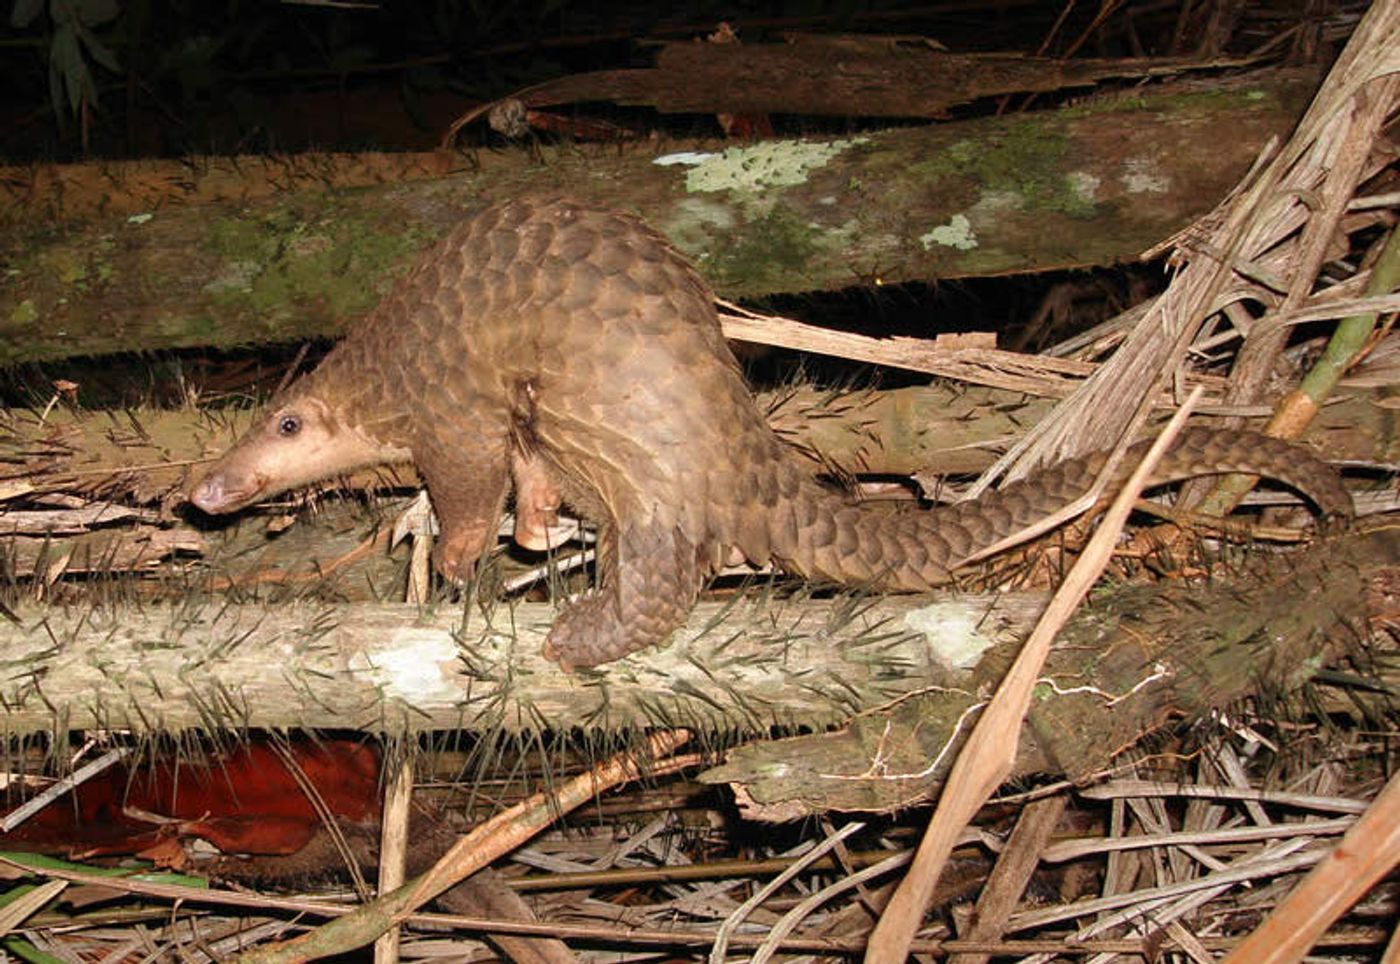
(573, 349)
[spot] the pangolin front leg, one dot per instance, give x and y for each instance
(649, 577)
(468, 489)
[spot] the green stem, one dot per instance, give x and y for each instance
(1342, 348)
(1351, 334)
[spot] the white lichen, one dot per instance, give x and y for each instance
(416, 665)
(765, 165)
(1084, 185)
(1141, 175)
(952, 632)
(957, 233)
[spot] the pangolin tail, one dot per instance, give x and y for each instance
(828, 537)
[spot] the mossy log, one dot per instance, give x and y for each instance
(1091, 184)
(1129, 661)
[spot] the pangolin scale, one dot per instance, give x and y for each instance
(574, 350)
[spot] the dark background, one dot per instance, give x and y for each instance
(147, 78)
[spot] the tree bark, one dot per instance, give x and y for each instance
(844, 76)
(1087, 185)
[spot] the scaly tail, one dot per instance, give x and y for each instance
(828, 537)
(649, 576)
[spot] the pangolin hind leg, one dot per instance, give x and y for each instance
(537, 501)
(649, 577)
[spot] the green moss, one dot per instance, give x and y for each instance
(1215, 100)
(1025, 160)
(24, 313)
(779, 243)
(201, 326)
(293, 258)
(239, 238)
(1167, 100)
(65, 265)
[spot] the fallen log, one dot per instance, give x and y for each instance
(902, 673)
(843, 75)
(1129, 662)
(745, 665)
(1088, 185)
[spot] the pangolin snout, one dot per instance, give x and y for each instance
(211, 494)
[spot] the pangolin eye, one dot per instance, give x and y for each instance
(288, 425)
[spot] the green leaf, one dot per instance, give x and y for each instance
(26, 951)
(66, 57)
(93, 12)
(22, 14)
(39, 863)
(98, 51)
